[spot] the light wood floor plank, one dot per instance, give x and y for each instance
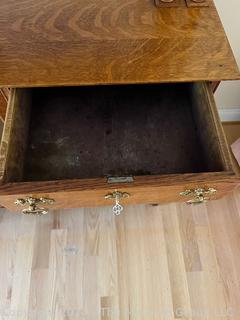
(176, 264)
(74, 255)
(8, 245)
(23, 267)
(57, 275)
(211, 304)
(218, 214)
(188, 237)
(163, 262)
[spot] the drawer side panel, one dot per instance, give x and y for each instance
(15, 135)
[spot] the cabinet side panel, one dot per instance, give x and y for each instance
(15, 135)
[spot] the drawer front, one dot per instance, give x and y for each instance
(88, 191)
(144, 190)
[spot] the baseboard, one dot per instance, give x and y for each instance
(229, 115)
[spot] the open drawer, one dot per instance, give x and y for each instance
(75, 145)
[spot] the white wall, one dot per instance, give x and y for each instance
(228, 93)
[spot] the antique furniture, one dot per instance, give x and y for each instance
(112, 102)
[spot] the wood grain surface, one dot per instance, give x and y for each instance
(3, 106)
(164, 262)
(14, 138)
(91, 192)
(4, 96)
(72, 42)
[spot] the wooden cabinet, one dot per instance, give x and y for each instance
(117, 98)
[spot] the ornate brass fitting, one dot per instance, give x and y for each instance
(199, 195)
(32, 203)
(117, 195)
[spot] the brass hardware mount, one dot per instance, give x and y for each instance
(200, 195)
(33, 205)
(117, 195)
(126, 179)
(197, 3)
(181, 3)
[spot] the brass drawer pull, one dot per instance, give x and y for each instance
(199, 195)
(32, 203)
(117, 195)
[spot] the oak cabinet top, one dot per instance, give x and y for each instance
(74, 42)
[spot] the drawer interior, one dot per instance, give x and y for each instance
(99, 131)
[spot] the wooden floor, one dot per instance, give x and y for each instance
(151, 263)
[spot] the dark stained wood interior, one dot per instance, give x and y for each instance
(98, 131)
